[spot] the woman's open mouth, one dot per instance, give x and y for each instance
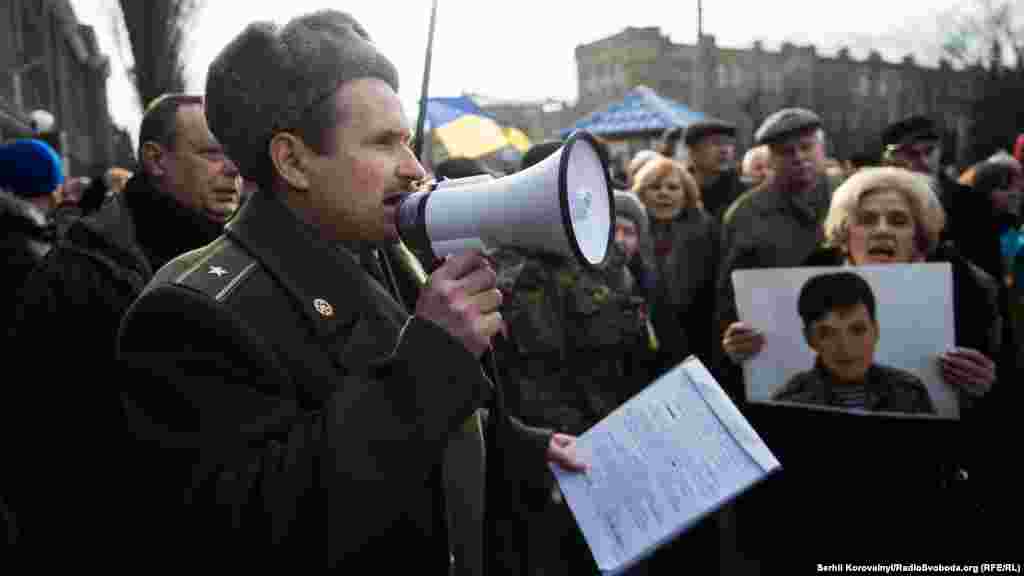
(887, 252)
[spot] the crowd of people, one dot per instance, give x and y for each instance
(229, 355)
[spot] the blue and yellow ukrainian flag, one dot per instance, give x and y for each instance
(463, 128)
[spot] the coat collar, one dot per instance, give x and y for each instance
(874, 386)
(809, 208)
(109, 236)
(325, 280)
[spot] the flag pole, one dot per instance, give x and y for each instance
(422, 118)
(700, 20)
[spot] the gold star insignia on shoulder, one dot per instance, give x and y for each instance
(218, 271)
(323, 307)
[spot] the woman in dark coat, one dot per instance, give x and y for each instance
(881, 216)
(890, 215)
(684, 252)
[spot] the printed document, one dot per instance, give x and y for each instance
(674, 453)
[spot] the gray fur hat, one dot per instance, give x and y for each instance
(268, 78)
(628, 205)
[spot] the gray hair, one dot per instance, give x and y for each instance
(270, 80)
(929, 217)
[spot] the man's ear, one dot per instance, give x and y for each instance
(154, 159)
(289, 154)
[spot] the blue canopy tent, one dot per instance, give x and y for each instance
(641, 113)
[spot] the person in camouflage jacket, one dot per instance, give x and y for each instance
(570, 334)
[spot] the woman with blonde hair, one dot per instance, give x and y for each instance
(891, 215)
(684, 253)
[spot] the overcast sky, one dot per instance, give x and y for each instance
(523, 49)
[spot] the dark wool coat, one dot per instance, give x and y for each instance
(295, 414)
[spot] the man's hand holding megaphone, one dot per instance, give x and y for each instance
(461, 297)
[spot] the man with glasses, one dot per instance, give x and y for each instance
(68, 476)
(914, 143)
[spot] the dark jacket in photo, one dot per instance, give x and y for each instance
(886, 389)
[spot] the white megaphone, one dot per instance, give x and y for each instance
(561, 205)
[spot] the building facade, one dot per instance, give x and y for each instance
(539, 120)
(49, 61)
(856, 98)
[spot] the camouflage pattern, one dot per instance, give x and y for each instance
(571, 334)
(570, 359)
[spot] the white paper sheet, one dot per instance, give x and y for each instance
(659, 463)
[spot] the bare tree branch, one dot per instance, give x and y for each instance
(983, 32)
(156, 33)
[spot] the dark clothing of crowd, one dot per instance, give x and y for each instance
(235, 408)
(78, 294)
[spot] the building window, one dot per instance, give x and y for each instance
(737, 76)
(863, 84)
(723, 76)
(883, 86)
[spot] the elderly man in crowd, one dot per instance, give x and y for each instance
(304, 423)
(914, 143)
(712, 158)
(774, 225)
(178, 201)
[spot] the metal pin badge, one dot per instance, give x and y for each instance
(323, 307)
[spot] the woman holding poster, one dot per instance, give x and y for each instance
(890, 216)
(883, 216)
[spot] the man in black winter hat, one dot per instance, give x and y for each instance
(305, 422)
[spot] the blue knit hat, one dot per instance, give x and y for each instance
(30, 168)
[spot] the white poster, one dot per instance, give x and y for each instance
(863, 339)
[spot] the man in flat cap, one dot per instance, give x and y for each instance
(304, 421)
(777, 224)
(774, 225)
(915, 143)
(712, 151)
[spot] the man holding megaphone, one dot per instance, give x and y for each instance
(285, 394)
